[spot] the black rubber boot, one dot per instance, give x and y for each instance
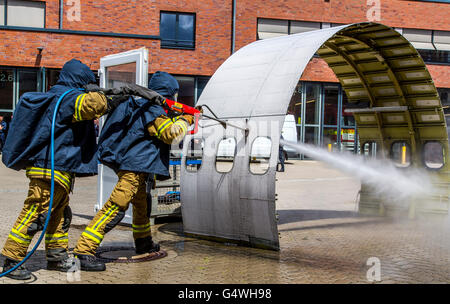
(20, 273)
(64, 265)
(90, 263)
(146, 245)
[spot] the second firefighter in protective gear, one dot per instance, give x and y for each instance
(135, 143)
(28, 147)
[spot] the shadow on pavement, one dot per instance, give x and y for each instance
(292, 216)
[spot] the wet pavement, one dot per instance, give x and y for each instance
(322, 240)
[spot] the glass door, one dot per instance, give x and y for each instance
(349, 136)
(330, 96)
(312, 114)
(116, 70)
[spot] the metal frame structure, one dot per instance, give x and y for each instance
(376, 66)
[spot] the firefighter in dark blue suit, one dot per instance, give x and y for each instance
(28, 147)
(135, 142)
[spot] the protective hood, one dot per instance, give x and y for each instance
(164, 84)
(75, 74)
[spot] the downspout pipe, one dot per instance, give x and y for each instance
(233, 27)
(61, 13)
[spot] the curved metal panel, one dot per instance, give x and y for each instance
(253, 88)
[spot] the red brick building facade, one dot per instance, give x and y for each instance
(89, 30)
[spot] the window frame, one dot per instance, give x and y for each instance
(409, 151)
(234, 155)
(370, 142)
(444, 161)
(268, 161)
(5, 16)
(187, 155)
(176, 30)
(16, 84)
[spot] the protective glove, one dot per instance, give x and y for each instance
(114, 101)
(188, 118)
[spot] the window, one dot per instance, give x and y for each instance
(433, 153)
(22, 13)
(194, 155)
(420, 39)
(6, 89)
(260, 155)
(369, 149)
(28, 81)
(186, 93)
(433, 46)
(270, 28)
(331, 100)
(201, 84)
(2, 12)
(430, 56)
(121, 74)
(347, 119)
(14, 83)
(190, 88)
(401, 154)
(226, 151)
(177, 30)
(52, 76)
(312, 103)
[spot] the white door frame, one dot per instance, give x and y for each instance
(107, 179)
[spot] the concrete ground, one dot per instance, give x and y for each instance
(322, 240)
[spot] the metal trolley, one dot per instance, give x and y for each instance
(165, 195)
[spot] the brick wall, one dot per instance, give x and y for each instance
(394, 13)
(213, 31)
(213, 35)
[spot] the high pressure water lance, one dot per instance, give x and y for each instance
(171, 107)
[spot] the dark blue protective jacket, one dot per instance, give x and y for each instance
(125, 143)
(28, 141)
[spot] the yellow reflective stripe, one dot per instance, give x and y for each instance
(63, 174)
(78, 104)
(76, 107)
(141, 230)
(108, 213)
(57, 238)
(15, 231)
(64, 182)
(64, 178)
(56, 235)
(163, 126)
(94, 232)
(27, 217)
(140, 226)
(19, 240)
(92, 237)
